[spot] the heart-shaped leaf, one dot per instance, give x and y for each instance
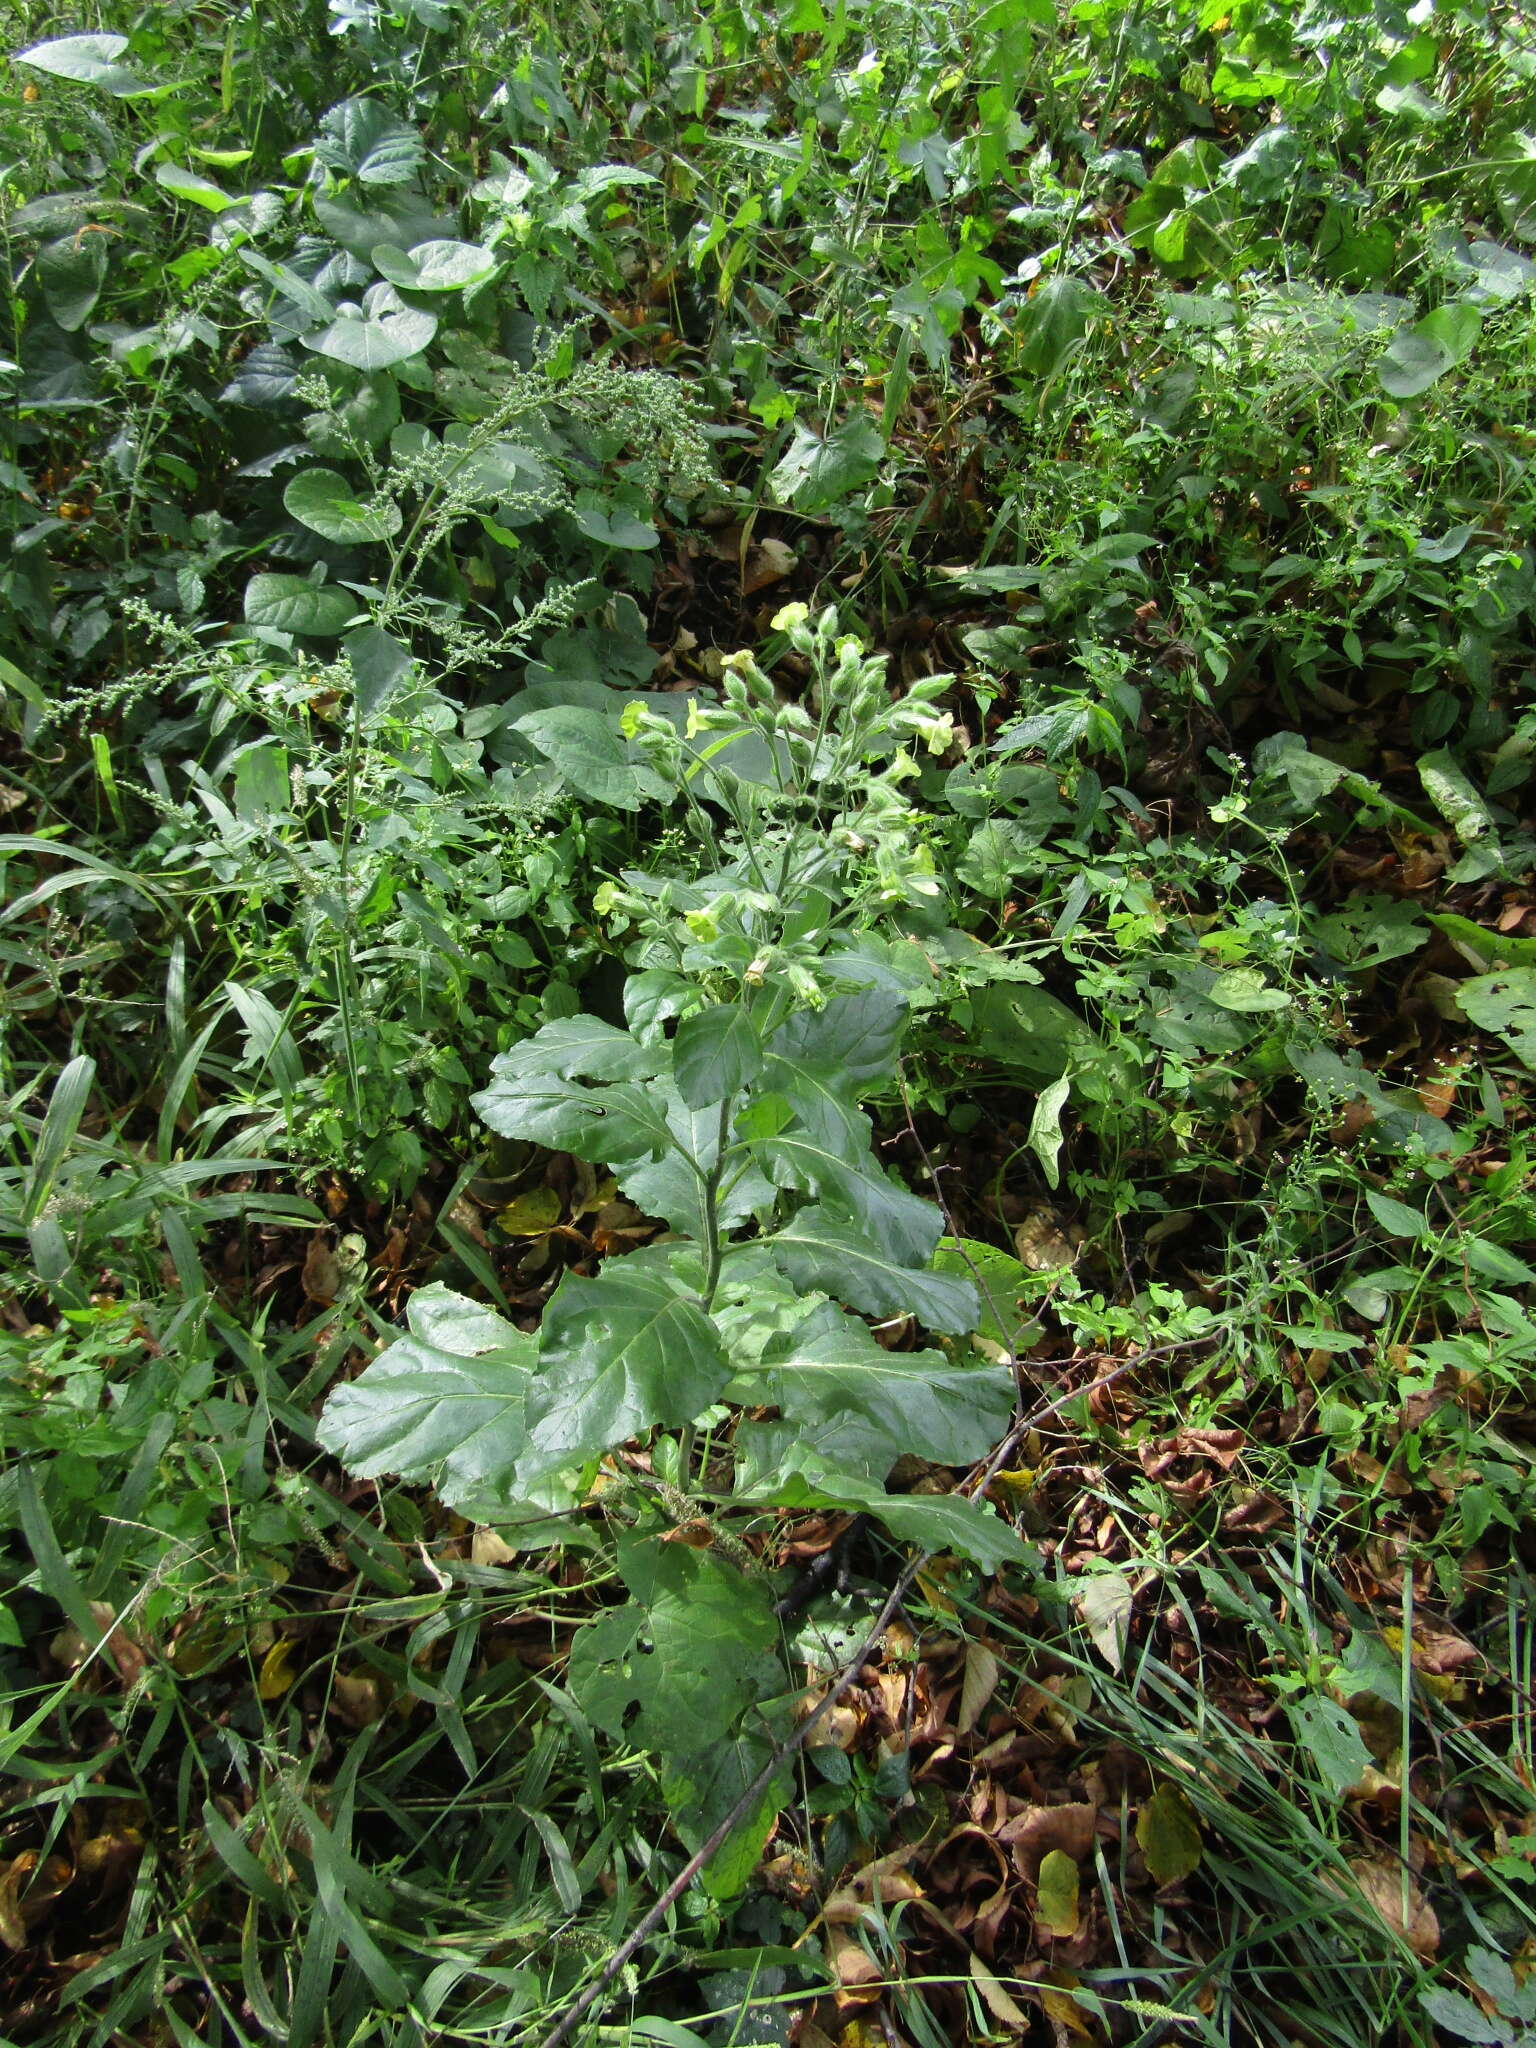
(87, 60)
(292, 604)
(325, 502)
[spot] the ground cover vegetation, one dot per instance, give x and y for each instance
(769, 988)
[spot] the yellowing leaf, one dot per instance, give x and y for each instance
(1168, 1830)
(1105, 1606)
(977, 1686)
(995, 1998)
(530, 1214)
(1056, 1900)
(277, 1670)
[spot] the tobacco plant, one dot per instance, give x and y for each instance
(734, 1368)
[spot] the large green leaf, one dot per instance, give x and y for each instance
(913, 1401)
(1031, 1031)
(444, 1404)
(854, 1037)
(1505, 1004)
(1420, 355)
(905, 1227)
(676, 1667)
(669, 1186)
(582, 1046)
(618, 1354)
(384, 332)
(363, 138)
(817, 1250)
(816, 471)
(434, 266)
(715, 1053)
(86, 60)
(1051, 323)
(591, 754)
(71, 272)
(380, 664)
(819, 1060)
(614, 1125)
(326, 503)
(292, 604)
(932, 1521)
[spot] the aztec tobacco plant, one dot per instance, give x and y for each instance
(735, 1348)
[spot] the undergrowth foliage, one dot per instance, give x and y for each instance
(766, 778)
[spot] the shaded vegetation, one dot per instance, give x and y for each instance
(766, 779)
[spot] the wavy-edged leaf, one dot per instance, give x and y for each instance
(618, 1354)
(444, 1404)
(615, 1125)
(905, 1227)
(677, 1666)
(580, 1046)
(434, 266)
(911, 1401)
(817, 1250)
(932, 1521)
(715, 1052)
(363, 138)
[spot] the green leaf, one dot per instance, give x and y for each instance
(614, 1126)
(669, 1185)
(66, 1106)
(1332, 1738)
(1514, 180)
(384, 334)
(613, 529)
(434, 266)
(816, 472)
(819, 1059)
(193, 187)
(71, 272)
(675, 1669)
(818, 1251)
(1001, 1279)
(292, 604)
(591, 754)
(1052, 323)
(326, 503)
(931, 1521)
(831, 1367)
(580, 1046)
(1031, 1031)
(380, 664)
(1419, 356)
(1463, 2020)
(1505, 1004)
(1494, 1262)
(1045, 1136)
(363, 138)
(906, 1228)
(1245, 990)
(1396, 1218)
(1453, 795)
(444, 1404)
(1369, 929)
(1481, 947)
(715, 1053)
(86, 60)
(619, 1354)
(1168, 1833)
